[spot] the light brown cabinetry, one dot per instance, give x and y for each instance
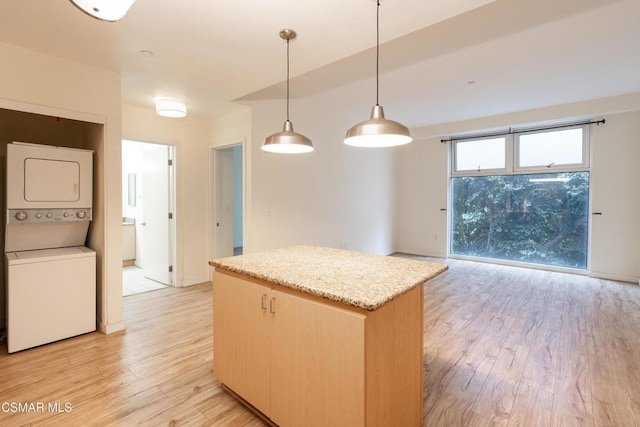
(242, 340)
(304, 361)
(316, 364)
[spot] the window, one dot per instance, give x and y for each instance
(480, 155)
(522, 197)
(551, 149)
(538, 218)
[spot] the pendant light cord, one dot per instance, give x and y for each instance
(377, 52)
(287, 79)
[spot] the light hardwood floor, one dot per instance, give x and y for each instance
(519, 347)
(503, 346)
(158, 372)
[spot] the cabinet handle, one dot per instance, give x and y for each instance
(262, 303)
(272, 304)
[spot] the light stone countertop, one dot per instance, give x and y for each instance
(353, 278)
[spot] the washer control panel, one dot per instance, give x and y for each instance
(25, 216)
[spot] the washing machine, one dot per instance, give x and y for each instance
(51, 295)
(51, 275)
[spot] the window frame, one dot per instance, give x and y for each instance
(510, 147)
(565, 167)
(512, 151)
(508, 144)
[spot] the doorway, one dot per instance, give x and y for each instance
(147, 213)
(228, 200)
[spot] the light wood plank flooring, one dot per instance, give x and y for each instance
(518, 347)
(158, 372)
(503, 346)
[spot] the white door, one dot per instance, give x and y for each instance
(224, 203)
(155, 205)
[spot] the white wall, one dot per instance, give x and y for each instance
(226, 131)
(615, 189)
(190, 136)
(421, 193)
(337, 196)
(615, 237)
(38, 83)
(132, 163)
(231, 129)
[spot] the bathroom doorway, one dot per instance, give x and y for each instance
(148, 185)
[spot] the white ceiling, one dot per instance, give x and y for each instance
(522, 54)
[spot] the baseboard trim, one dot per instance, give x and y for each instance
(418, 253)
(111, 328)
(615, 277)
(186, 283)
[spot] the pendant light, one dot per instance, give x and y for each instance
(105, 10)
(287, 141)
(378, 131)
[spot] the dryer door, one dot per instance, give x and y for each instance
(48, 180)
(42, 177)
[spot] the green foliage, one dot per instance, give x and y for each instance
(538, 218)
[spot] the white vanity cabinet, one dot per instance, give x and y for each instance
(128, 243)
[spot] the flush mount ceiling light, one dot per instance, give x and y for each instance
(287, 141)
(105, 10)
(378, 131)
(169, 107)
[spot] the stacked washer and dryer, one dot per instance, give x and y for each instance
(51, 275)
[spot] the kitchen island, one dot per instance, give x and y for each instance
(318, 336)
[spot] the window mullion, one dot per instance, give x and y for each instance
(510, 153)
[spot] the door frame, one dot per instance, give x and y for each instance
(213, 169)
(174, 229)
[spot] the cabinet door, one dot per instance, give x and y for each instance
(128, 242)
(241, 338)
(317, 364)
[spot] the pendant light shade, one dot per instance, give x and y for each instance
(378, 131)
(287, 141)
(105, 10)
